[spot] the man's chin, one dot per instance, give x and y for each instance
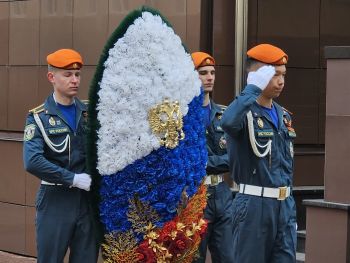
(73, 92)
(277, 94)
(208, 89)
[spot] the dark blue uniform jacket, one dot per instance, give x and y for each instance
(273, 170)
(216, 142)
(42, 161)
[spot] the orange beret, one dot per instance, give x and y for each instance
(268, 54)
(201, 59)
(65, 59)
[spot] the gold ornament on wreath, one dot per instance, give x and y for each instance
(166, 122)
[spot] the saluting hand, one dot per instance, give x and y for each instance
(261, 77)
(82, 181)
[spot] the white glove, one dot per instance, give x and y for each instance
(261, 77)
(82, 181)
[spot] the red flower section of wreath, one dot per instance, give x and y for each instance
(177, 240)
(145, 253)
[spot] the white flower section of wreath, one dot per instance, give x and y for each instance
(145, 66)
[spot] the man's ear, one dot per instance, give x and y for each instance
(50, 76)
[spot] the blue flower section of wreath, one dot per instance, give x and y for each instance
(158, 178)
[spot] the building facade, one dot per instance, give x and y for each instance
(31, 29)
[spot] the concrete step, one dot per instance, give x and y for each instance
(301, 238)
(300, 257)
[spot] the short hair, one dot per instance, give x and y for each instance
(51, 68)
(250, 62)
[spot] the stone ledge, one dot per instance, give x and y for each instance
(325, 204)
(337, 52)
(6, 257)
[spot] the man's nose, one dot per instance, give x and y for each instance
(281, 80)
(75, 78)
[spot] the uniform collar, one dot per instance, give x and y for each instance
(258, 111)
(51, 106)
(279, 113)
(214, 109)
(52, 109)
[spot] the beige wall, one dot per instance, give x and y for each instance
(30, 30)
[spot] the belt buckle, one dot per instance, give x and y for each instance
(214, 179)
(282, 193)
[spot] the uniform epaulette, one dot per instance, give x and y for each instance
(38, 109)
(291, 113)
(86, 102)
(222, 106)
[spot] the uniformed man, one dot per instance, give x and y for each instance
(260, 146)
(218, 211)
(54, 151)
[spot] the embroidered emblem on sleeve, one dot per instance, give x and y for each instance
(29, 132)
(291, 131)
(288, 124)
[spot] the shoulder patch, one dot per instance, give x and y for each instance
(38, 109)
(29, 132)
(223, 107)
(291, 113)
(86, 102)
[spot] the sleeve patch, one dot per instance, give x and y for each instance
(29, 132)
